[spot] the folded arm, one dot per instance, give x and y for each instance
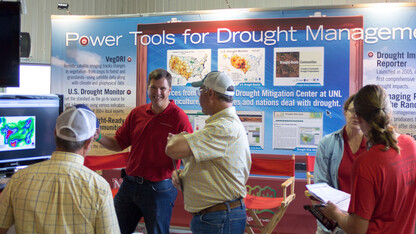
(177, 146)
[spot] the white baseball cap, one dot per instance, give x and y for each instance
(218, 81)
(81, 122)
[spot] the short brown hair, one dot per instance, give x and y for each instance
(158, 74)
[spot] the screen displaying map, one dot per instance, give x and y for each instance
(17, 133)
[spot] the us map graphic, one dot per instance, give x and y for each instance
(17, 132)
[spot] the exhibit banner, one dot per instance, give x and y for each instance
(292, 69)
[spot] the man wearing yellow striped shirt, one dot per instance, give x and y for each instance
(61, 195)
(217, 161)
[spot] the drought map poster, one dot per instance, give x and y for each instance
(17, 133)
(243, 65)
(187, 66)
(290, 83)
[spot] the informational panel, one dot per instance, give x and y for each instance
(287, 71)
(93, 65)
(294, 63)
(390, 61)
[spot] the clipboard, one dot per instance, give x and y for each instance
(315, 211)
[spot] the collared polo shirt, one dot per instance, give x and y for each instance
(147, 134)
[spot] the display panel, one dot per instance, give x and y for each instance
(278, 65)
(27, 125)
(253, 123)
(9, 44)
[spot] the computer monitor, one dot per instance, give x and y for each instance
(27, 125)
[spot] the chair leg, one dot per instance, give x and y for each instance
(249, 230)
(274, 220)
(257, 222)
(256, 219)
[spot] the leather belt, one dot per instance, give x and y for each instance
(221, 207)
(141, 180)
(138, 179)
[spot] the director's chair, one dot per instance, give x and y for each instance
(255, 203)
(310, 165)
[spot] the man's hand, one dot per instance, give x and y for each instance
(176, 181)
(170, 135)
(97, 134)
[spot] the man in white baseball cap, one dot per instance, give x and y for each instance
(61, 195)
(220, 89)
(217, 161)
(218, 81)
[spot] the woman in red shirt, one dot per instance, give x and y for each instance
(384, 179)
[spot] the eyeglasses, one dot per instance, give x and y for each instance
(199, 91)
(352, 111)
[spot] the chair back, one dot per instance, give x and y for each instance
(310, 163)
(273, 167)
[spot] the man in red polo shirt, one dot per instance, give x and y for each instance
(147, 189)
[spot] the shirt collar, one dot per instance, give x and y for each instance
(149, 110)
(67, 156)
(226, 112)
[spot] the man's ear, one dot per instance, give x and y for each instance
(211, 93)
(88, 144)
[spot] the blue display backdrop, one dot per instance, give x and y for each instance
(290, 77)
(292, 69)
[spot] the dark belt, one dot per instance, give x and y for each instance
(138, 179)
(221, 207)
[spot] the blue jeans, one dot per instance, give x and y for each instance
(231, 221)
(151, 200)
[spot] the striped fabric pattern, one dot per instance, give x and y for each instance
(58, 196)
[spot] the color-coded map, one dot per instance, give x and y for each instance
(188, 65)
(17, 132)
(244, 65)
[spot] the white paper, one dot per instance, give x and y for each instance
(325, 193)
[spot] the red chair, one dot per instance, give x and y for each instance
(107, 162)
(255, 204)
(310, 165)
